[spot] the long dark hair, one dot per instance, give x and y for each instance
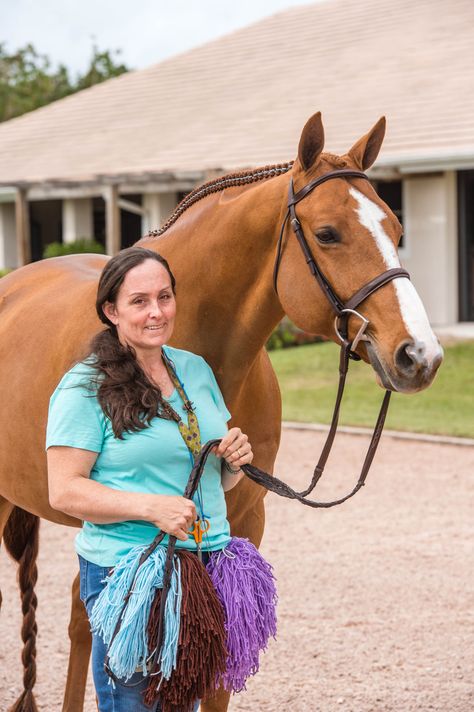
(123, 390)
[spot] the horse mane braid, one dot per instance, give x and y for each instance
(217, 184)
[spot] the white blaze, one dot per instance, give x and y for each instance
(411, 307)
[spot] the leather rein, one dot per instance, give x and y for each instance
(343, 312)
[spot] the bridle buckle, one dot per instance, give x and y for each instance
(361, 335)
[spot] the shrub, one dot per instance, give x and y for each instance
(58, 249)
(5, 271)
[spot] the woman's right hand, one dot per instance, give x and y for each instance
(172, 514)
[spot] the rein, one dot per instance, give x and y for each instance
(343, 312)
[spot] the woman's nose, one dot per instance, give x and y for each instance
(155, 309)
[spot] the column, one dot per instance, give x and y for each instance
(112, 220)
(22, 220)
(77, 219)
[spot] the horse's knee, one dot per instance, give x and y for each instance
(79, 628)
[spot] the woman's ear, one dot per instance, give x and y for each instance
(110, 312)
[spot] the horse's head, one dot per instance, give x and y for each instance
(353, 236)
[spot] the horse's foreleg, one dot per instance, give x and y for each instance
(21, 542)
(79, 654)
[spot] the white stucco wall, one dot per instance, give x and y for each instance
(158, 207)
(430, 254)
(8, 247)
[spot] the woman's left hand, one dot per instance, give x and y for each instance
(235, 448)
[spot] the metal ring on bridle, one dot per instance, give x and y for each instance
(360, 336)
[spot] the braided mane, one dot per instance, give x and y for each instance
(217, 184)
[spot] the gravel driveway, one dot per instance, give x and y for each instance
(376, 610)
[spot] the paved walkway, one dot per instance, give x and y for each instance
(376, 604)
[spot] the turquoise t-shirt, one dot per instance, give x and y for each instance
(154, 460)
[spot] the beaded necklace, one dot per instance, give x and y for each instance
(192, 438)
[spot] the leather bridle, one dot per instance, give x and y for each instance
(343, 312)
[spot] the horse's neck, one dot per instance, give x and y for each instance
(222, 251)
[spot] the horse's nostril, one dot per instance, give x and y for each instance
(410, 356)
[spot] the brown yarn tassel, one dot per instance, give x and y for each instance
(202, 652)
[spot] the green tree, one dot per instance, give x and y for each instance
(102, 67)
(28, 81)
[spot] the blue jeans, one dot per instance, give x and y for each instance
(109, 698)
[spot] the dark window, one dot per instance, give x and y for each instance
(466, 245)
(180, 195)
(45, 225)
(98, 213)
(391, 193)
(130, 223)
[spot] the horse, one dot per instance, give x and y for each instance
(221, 243)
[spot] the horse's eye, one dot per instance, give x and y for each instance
(327, 235)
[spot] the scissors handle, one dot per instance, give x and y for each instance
(200, 527)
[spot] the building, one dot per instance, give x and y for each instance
(113, 160)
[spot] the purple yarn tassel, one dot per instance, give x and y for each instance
(245, 586)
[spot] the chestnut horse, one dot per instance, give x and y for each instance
(221, 243)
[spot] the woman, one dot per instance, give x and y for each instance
(124, 426)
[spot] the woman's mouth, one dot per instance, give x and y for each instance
(154, 327)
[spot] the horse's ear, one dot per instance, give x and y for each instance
(367, 148)
(311, 142)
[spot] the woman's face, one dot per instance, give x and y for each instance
(145, 308)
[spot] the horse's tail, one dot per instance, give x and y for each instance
(21, 541)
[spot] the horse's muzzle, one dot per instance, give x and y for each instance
(412, 369)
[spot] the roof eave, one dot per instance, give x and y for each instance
(426, 163)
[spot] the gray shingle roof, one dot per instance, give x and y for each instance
(242, 100)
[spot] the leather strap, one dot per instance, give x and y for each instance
(342, 173)
(375, 284)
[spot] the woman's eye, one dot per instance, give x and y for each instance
(165, 296)
(327, 236)
(138, 301)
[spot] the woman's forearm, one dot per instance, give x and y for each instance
(81, 497)
(94, 502)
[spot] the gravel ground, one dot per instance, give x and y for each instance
(376, 609)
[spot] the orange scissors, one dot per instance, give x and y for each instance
(200, 527)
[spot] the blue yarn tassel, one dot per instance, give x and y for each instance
(129, 650)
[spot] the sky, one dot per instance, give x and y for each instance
(146, 31)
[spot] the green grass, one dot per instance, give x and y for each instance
(308, 381)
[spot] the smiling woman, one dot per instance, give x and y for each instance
(143, 314)
(124, 428)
